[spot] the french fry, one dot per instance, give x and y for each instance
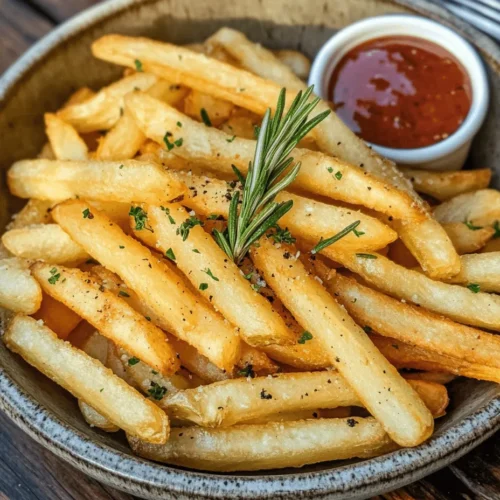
(269, 446)
(47, 242)
(182, 312)
(255, 360)
(208, 269)
(56, 316)
(454, 301)
(216, 150)
(102, 111)
(479, 208)
(446, 185)
(308, 219)
(466, 240)
(403, 355)
(492, 246)
(414, 325)
(64, 139)
(123, 140)
(87, 379)
(436, 377)
(34, 212)
(79, 96)
(241, 124)
(46, 153)
(434, 395)
(296, 61)
(95, 419)
(168, 92)
(206, 108)
(399, 254)
(229, 402)
(480, 271)
(123, 181)
(109, 314)
(348, 347)
(115, 364)
(336, 139)
(19, 291)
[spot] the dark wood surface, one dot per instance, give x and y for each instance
(28, 471)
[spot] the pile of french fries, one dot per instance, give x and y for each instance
(118, 292)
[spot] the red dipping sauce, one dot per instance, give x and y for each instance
(401, 92)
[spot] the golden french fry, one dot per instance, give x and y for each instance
(56, 316)
(256, 361)
(19, 291)
(208, 269)
(308, 219)
(403, 355)
(123, 181)
(79, 96)
(229, 402)
(492, 246)
(446, 185)
(434, 395)
(296, 61)
(102, 111)
(95, 419)
(399, 254)
(216, 150)
(47, 242)
(414, 325)
(109, 314)
(64, 139)
(87, 379)
(170, 93)
(34, 212)
(46, 153)
(466, 240)
(436, 377)
(122, 142)
(269, 446)
(182, 312)
(479, 208)
(454, 301)
(205, 108)
(480, 271)
(348, 347)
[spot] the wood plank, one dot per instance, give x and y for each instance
(28, 471)
(20, 27)
(60, 10)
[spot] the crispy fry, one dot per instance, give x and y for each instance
(296, 61)
(255, 360)
(167, 92)
(479, 208)
(56, 316)
(403, 355)
(446, 185)
(205, 108)
(79, 96)
(414, 325)
(207, 267)
(215, 150)
(348, 347)
(95, 419)
(122, 142)
(34, 212)
(436, 377)
(87, 379)
(102, 111)
(492, 246)
(124, 181)
(46, 242)
(481, 269)
(466, 240)
(226, 403)
(109, 314)
(399, 254)
(269, 446)
(19, 291)
(434, 395)
(454, 301)
(182, 312)
(64, 139)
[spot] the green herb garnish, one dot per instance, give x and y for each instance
(157, 391)
(140, 218)
(167, 211)
(87, 214)
(123, 293)
(170, 254)
(305, 337)
(138, 65)
(133, 361)
(54, 276)
(203, 286)
(207, 271)
(247, 371)
(187, 225)
(330, 241)
(366, 255)
(205, 117)
(471, 226)
(474, 287)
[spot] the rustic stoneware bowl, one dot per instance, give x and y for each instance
(45, 76)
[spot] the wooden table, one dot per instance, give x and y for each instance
(28, 471)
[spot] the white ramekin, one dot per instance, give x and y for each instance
(448, 154)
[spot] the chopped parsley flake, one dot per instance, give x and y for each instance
(358, 233)
(231, 139)
(87, 214)
(205, 117)
(305, 337)
(471, 226)
(121, 166)
(203, 286)
(367, 329)
(138, 65)
(170, 254)
(338, 176)
(171, 145)
(366, 255)
(207, 271)
(123, 293)
(474, 287)
(167, 211)
(179, 124)
(133, 361)
(247, 371)
(54, 276)
(330, 170)
(282, 235)
(187, 225)
(140, 218)
(496, 227)
(195, 250)
(121, 246)
(157, 391)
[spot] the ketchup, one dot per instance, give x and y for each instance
(401, 92)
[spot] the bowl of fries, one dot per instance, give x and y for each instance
(211, 288)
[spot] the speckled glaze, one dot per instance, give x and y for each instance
(42, 79)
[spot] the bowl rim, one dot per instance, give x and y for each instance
(152, 480)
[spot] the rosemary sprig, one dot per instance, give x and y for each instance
(330, 241)
(270, 172)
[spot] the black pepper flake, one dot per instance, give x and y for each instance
(265, 395)
(351, 422)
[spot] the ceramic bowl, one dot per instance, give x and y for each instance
(45, 76)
